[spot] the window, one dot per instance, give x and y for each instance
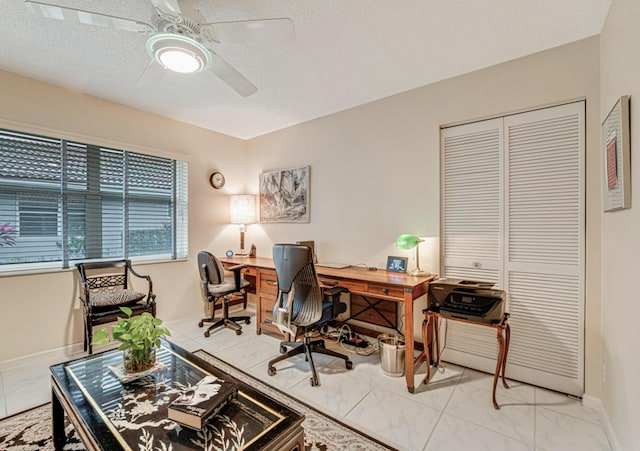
(37, 217)
(62, 201)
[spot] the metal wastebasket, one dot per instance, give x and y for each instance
(391, 354)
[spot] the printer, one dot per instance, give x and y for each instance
(471, 300)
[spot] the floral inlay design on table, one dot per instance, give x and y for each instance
(136, 412)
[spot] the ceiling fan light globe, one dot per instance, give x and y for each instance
(179, 53)
(179, 60)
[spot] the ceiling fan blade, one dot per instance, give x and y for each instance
(167, 6)
(225, 72)
(251, 31)
(152, 75)
(87, 17)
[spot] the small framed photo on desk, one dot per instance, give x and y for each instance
(397, 264)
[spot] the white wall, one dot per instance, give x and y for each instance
(374, 175)
(375, 168)
(40, 312)
(620, 75)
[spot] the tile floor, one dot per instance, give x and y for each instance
(452, 412)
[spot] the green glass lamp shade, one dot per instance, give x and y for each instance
(407, 241)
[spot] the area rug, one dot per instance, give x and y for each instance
(31, 430)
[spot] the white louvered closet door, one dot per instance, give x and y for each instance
(541, 245)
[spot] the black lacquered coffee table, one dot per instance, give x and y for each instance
(110, 415)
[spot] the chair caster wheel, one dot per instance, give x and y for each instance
(207, 333)
(271, 371)
(283, 349)
(200, 324)
(349, 364)
(239, 332)
(248, 321)
(314, 382)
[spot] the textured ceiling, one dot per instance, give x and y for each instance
(346, 53)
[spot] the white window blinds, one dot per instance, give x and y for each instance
(62, 201)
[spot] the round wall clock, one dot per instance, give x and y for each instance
(216, 180)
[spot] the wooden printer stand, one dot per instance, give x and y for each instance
(430, 326)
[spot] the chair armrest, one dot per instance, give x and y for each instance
(283, 313)
(236, 274)
(150, 296)
(236, 267)
(334, 293)
(84, 297)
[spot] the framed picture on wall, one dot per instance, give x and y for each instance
(284, 195)
(616, 186)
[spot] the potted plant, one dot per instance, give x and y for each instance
(139, 337)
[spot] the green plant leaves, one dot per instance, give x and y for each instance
(100, 337)
(138, 333)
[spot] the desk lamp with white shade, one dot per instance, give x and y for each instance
(242, 210)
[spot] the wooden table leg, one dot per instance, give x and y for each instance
(426, 343)
(436, 333)
(507, 331)
(424, 354)
(408, 340)
(499, 366)
(57, 419)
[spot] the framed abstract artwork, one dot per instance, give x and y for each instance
(284, 195)
(616, 186)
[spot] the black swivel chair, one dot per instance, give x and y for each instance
(301, 308)
(216, 286)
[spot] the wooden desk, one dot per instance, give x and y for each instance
(378, 284)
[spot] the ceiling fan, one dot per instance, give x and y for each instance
(179, 33)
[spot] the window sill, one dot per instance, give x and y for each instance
(40, 269)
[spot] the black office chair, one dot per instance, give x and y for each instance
(216, 286)
(301, 308)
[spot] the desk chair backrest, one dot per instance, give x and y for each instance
(211, 270)
(299, 299)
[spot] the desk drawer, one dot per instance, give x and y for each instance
(249, 271)
(386, 290)
(266, 306)
(268, 282)
(353, 286)
(269, 285)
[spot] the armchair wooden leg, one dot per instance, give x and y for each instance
(88, 336)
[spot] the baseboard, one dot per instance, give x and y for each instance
(61, 354)
(75, 350)
(596, 403)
